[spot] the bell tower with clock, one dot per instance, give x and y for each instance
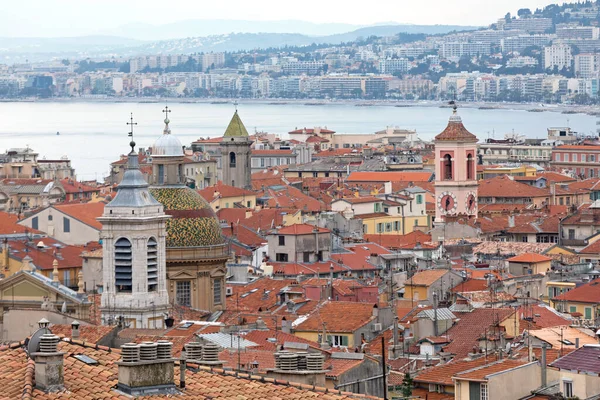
(455, 171)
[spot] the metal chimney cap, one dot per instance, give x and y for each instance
(75, 323)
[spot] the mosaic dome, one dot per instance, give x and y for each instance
(193, 223)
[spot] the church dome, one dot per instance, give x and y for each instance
(193, 222)
(167, 146)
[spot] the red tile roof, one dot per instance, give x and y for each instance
(470, 285)
(72, 186)
(87, 333)
(290, 197)
(529, 258)
(481, 374)
(9, 225)
(426, 278)
(301, 229)
(360, 200)
(442, 374)
(83, 381)
(587, 293)
(224, 191)
(389, 177)
(403, 242)
(270, 152)
(455, 132)
(505, 186)
(593, 248)
(471, 326)
(311, 131)
(339, 316)
(43, 257)
(86, 213)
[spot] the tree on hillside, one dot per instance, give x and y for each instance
(524, 13)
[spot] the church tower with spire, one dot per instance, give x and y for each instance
(455, 171)
(134, 259)
(236, 154)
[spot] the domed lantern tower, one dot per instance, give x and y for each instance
(133, 260)
(196, 251)
(455, 171)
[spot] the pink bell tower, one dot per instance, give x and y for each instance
(455, 171)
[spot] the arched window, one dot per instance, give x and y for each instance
(152, 264)
(470, 166)
(123, 264)
(232, 159)
(447, 172)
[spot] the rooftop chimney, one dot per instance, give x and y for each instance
(203, 354)
(300, 367)
(147, 368)
(75, 330)
(49, 364)
(285, 326)
(544, 366)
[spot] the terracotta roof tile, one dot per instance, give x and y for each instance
(442, 374)
(456, 132)
(471, 326)
(83, 381)
(87, 333)
(427, 277)
(529, 258)
(389, 177)
(340, 316)
(301, 229)
(586, 293)
(505, 186)
(9, 225)
(86, 213)
(481, 374)
(224, 191)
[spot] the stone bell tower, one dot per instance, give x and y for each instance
(236, 154)
(134, 265)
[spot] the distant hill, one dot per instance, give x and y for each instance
(216, 27)
(249, 41)
(35, 49)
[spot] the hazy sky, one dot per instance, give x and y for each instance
(77, 17)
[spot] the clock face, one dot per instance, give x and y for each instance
(447, 203)
(471, 203)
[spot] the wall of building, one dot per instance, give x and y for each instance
(584, 386)
(51, 222)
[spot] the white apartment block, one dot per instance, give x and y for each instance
(557, 56)
(302, 67)
(578, 32)
(587, 65)
(518, 43)
(391, 66)
(456, 50)
(530, 25)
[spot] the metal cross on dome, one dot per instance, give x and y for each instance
(166, 111)
(130, 134)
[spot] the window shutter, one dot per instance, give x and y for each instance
(329, 340)
(344, 340)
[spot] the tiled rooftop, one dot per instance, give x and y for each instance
(340, 316)
(83, 381)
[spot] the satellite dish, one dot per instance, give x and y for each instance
(33, 345)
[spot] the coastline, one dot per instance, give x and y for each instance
(530, 107)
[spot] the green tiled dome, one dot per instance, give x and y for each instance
(193, 223)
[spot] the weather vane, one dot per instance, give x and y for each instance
(130, 134)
